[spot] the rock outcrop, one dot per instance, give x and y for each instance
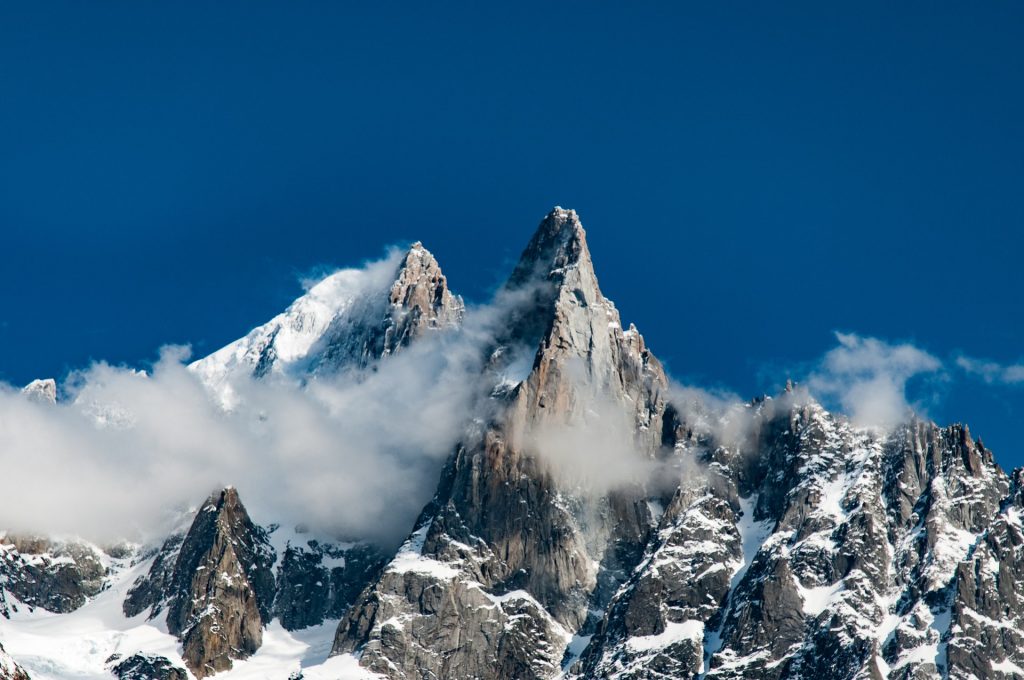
(58, 576)
(986, 631)
(378, 326)
(813, 549)
(146, 667)
(318, 580)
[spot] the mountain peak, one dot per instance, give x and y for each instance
(560, 242)
(222, 586)
(419, 284)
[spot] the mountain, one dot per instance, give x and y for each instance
(591, 521)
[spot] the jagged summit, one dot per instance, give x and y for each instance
(420, 295)
(215, 583)
(346, 320)
(559, 242)
(557, 286)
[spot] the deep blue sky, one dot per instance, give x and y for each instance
(753, 176)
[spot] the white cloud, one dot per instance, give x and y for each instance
(991, 371)
(868, 378)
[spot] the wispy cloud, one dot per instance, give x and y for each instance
(868, 378)
(991, 371)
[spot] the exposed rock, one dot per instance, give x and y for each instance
(345, 322)
(147, 667)
(219, 593)
(776, 541)
(986, 634)
(851, 540)
(58, 576)
(800, 547)
(418, 301)
(318, 580)
(153, 590)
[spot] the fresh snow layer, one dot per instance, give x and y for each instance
(410, 558)
(1009, 668)
(673, 633)
(817, 599)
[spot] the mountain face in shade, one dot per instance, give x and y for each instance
(590, 522)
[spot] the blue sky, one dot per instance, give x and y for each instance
(753, 177)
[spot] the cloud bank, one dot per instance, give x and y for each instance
(357, 455)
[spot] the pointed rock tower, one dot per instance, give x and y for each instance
(508, 559)
(219, 593)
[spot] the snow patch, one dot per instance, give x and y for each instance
(673, 633)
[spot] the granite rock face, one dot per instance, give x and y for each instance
(986, 633)
(223, 586)
(380, 325)
(813, 549)
(318, 580)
